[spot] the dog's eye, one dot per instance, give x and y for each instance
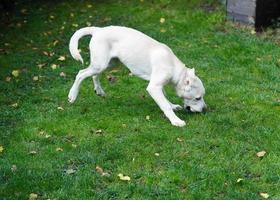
(198, 98)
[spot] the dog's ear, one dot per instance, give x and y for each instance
(191, 72)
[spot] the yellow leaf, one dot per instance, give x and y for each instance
(33, 196)
(60, 108)
(157, 154)
(55, 42)
(14, 105)
(101, 171)
(8, 78)
(61, 58)
(62, 74)
(261, 154)
(41, 65)
(264, 195)
(99, 131)
(162, 30)
(52, 17)
(124, 178)
(15, 73)
(59, 149)
(70, 171)
(75, 25)
(89, 6)
(47, 136)
(53, 66)
(1, 149)
(35, 78)
(162, 20)
(253, 32)
(33, 152)
(14, 168)
(147, 117)
(179, 139)
(239, 180)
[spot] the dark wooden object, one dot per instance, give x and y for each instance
(260, 13)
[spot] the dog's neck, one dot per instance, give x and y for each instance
(180, 72)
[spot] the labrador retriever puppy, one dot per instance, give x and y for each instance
(144, 57)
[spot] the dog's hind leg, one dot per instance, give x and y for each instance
(97, 86)
(99, 57)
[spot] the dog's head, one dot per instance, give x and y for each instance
(191, 89)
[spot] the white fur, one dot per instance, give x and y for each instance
(145, 58)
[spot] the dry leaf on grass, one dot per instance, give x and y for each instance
(59, 149)
(60, 108)
(147, 117)
(61, 58)
(179, 139)
(124, 178)
(15, 73)
(8, 79)
(101, 171)
(14, 168)
(162, 20)
(70, 171)
(1, 149)
(239, 180)
(62, 74)
(14, 105)
(35, 78)
(33, 196)
(157, 154)
(33, 152)
(264, 195)
(53, 66)
(261, 154)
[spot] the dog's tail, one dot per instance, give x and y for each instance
(73, 45)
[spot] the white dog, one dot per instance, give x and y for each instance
(145, 58)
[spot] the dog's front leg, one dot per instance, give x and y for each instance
(157, 94)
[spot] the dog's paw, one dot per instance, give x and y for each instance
(99, 92)
(72, 96)
(179, 123)
(176, 107)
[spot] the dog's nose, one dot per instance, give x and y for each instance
(188, 108)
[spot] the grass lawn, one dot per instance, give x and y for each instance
(51, 148)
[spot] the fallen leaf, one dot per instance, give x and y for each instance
(74, 145)
(75, 25)
(89, 6)
(52, 17)
(53, 66)
(179, 139)
(99, 131)
(124, 178)
(101, 171)
(239, 180)
(264, 195)
(33, 152)
(253, 32)
(114, 71)
(261, 154)
(162, 30)
(62, 74)
(33, 196)
(1, 149)
(70, 171)
(60, 108)
(14, 105)
(35, 78)
(45, 53)
(61, 58)
(14, 168)
(15, 73)
(162, 20)
(59, 149)
(47, 136)
(147, 117)
(41, 65)
(156, 154)
(55, 42)
(8, 78)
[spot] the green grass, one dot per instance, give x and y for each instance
(240, 72)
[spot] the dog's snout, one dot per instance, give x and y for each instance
(188, 108)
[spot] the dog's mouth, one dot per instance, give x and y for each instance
(190, 109)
